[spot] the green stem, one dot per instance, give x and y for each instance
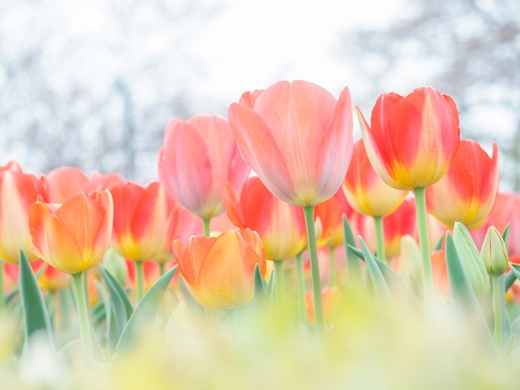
(278, 282)
(140, 280)
(161, 269)
(207, 230)
(424, 243)
(2, 299)
(380, 236)
(315, 271)
(332, 267)
(300, 276)
(497, 308)
(81, 303)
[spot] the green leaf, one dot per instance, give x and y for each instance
(378, 281)
(353, 265)
(462, 294)
(269, 291)
(35, 312)
(438, 245)
(260, 296)
(147, 307)
(509, 280)
(122, 309)
(515, 268)
(506, 234)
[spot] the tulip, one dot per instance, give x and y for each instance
(219, 271)
(100, 182)
(65, 182)
(411, 145)
(368, 194)
(467, 191)
(332, 299)
(145, 224)
(198, 156)
(298, 139)
(73, 238)
(18, 191)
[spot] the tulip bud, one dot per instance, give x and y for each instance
(471, 261)
(494, 253)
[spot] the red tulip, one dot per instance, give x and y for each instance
(18, 191)
(72, 237)
(467, 192)
(298, 138)
(280, 226)
(220, 271)
(198, 156)
(146, 221)
(413, 139)
(365, 191)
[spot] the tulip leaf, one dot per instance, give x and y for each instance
(506, 234)
(506, 324)
(270, 289)
(353, 265)
(260, 295)
(146, 308)
(112, 331)
(509, 280)
(35, 312)
(122, 309)
(376, 276)
(438, 245)
(462, 294)
(515, 268)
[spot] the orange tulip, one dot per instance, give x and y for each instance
(100, 182)
(332, 299)
(145, 221)
(298, 138)
(72, 237)
(467, 192)
(220, 271)
(18, 191)
(198, 156)
(365, 191)
(280, 226)
(413, 139)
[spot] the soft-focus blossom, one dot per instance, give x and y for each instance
(440, 274)
(331, 298)
(329, 216)
(72, 237)
(505, 210)
(220, 271)
(65, 182)
(365, 191)
(396, 225)
(298, 138)
(51, 279)
(18, 190)
(198, 156)
(100, 182)
(467, 191)
(412, 140)
(281, 226)
(145, 221)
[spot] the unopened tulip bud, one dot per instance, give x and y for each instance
(494, 252)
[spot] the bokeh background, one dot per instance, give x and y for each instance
(92, 83)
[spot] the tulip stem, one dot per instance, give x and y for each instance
(424, 243)
(206, 222)
(300, 276)
(315, 271)
(81, 303)
(2, 301)
(140, 280)
(497, 308)
(278, 278)
(161, 269)
(380, 236)
(332, 267)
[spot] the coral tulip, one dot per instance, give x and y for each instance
(145, 221)
(413, 139)
(280, 226)
(198, 156)
(365, 191)
(65, 182)
(297, 138)
(72, 237)
(332, 299)
(220, 271)
(18, 191)
(467, 191)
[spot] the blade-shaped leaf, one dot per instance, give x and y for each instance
(260, 296)
(146, 308)
(509, 280)
(35, 312)
(506, 234)
(269, 291)
(120, 304)
(376, 276)
(353, 265)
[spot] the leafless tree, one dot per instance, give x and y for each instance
(469, 49)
